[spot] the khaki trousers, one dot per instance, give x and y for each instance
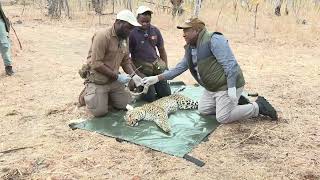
(219, 104)
(98, 97)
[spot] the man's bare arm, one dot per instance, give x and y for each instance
(107, 71)
(127, 68)
(136, 70)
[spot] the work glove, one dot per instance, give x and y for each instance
(137, 80)
(145, 89)
(151, 80)
(232, 93)
(123, 78)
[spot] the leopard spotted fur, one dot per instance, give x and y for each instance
(159, 110)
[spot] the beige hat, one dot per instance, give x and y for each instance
(192, 22)
(128, 16)
(143, 9)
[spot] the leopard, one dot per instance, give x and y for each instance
(158, 111)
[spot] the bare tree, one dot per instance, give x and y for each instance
(255, 20)
(128, 4)
(278, 4)
(197, 6)
(176, 7)
(55, 8)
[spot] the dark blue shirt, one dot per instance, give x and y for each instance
(142, 44)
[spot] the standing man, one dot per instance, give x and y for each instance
(144, 41)
(4, 43)
(109, 50)
(212, 63)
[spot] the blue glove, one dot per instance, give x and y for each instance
(123, 78)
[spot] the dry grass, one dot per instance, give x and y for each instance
(281, 63)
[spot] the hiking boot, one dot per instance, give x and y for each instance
(9, 70)
(266, 109)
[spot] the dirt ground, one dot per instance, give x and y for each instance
(282, 63)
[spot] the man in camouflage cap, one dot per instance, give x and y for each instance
(211, 62)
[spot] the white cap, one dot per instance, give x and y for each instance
(143, 9)
(128, 16)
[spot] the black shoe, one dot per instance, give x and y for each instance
(243, 100)
(266, 109)
(9, 70)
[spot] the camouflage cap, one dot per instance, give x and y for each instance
(192, 22)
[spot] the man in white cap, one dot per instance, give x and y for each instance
(104, 85)
(144, 41)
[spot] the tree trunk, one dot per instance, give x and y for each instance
(277, 10)
(66, 8)
(55, 8)
(97, 6)
(197, 6)
(128, 4)
(177, 7)
(255, 20)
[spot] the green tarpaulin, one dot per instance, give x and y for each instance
(188, 128)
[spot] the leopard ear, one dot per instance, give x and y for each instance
(129, 107)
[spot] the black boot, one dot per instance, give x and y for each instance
(9, 70)
(266, 109)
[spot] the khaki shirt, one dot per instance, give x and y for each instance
(107, 49)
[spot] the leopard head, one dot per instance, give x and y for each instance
(133, 116)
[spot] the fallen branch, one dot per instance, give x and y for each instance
(257, 134)
(15, 149)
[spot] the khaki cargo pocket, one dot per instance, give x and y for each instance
(91, 98)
